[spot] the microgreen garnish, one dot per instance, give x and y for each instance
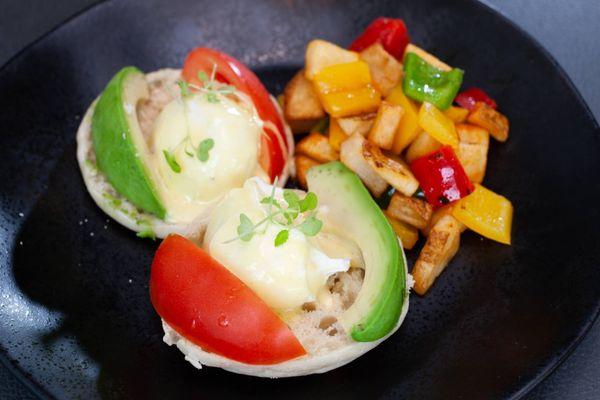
(173, 164)
(184, 87)
(246, 228)
(283, 216)
(203, 148)
(202, 76)
(281, 237)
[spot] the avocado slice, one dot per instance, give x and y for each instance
(377, 308)
(121, 151)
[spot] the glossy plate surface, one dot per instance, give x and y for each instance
(75, 315)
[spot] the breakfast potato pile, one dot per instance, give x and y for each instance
(393, 114)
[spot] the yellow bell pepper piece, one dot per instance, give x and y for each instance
(438, 125)
(336, 134)
(348, 76)
(409, 124)
(486, 213)
(351, 102)
(457, 114)
(408, 235)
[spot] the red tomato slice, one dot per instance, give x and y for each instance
(207, 304)
(274, 144)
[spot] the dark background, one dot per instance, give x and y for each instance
(567, 29)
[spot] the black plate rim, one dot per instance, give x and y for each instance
(561, 355)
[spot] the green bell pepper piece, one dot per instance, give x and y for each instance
(424, 82)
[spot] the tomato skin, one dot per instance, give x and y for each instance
(390, 32)
(274, 145)
(208, 305)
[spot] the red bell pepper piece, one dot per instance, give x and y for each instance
(390, 32)
(442, 177)
(468, 98)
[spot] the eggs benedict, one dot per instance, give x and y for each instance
(286, 282)
(157, 151)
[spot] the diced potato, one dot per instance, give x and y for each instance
(303, 164)
(301, 125)
(385, 69)
(472, 150)
(407, 234)
(442, 244)
(321, 54)
(409, 128)
(347, 76)
(351, 155)
(301, 103)
(437, 215)
(491, 120)
(457, 114)
(317, 146)
(336, 134)
(414, 212)
(351, 102)
(429, 58)
(394, 172)
(358, 124)
(440, 127)
(385, 126)
(424, 144)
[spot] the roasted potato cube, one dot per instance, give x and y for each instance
(351, 154)
(472, 150)
(303, 164)
(393, 171)
(317, 146)
(438, 214)
(421, 146)
(442, 244)
(385, 69)
(358, 124)
(321, 54)
(407, 234)
(336, 134)
(385, 125)
(414, 212)
(301, 105)
(457, 114)
(429, 58)
(491, 120)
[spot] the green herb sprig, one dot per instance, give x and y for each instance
(284, 216)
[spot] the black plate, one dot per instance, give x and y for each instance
(75, 317)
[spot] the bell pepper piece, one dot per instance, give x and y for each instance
(486, 213)
(438, 125)
(442, 178)
(409, 123)
(351, 102)
(424, 82)
(390, 32)
(457, 114)
(468, 98)
(347, 76)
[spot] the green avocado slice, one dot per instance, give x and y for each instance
(351, 208)
(121, 151)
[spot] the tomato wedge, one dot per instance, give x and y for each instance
(274, 143)
(207, 304)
